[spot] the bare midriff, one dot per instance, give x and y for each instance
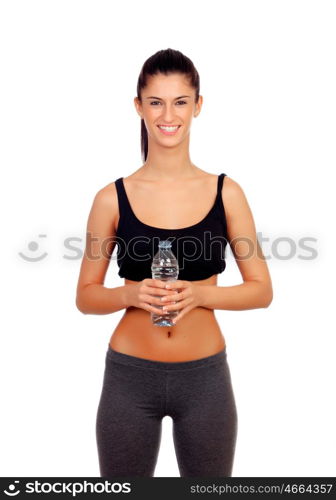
(196, 335)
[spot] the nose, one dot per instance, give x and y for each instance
(168, 113)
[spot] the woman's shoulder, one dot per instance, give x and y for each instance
(231, 187)
(106, 196)
(233, 196)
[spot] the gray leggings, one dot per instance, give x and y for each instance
(137, 393)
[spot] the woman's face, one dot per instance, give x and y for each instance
(168, 100)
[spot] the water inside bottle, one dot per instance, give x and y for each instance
(164, 274)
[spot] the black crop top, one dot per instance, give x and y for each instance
(199, 249)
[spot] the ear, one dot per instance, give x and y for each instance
(198, 106)
(138, 106)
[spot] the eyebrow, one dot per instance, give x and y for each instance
(154, 97)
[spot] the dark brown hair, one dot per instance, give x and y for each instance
(165, 62)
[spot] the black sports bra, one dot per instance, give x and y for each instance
(199, 249)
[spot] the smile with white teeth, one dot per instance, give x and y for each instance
(169, 129)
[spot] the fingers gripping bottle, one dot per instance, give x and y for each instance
(164, 267)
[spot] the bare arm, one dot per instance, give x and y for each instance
(92, 296)
(256, 291)
(98, 299)
(248, 295)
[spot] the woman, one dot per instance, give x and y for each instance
(181, 370)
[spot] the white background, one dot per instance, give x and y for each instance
(68, 127)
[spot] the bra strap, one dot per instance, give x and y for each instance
(124, 208)
(121, 192)
(220, 184)
(219, 199)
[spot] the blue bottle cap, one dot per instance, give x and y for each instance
(165, 244)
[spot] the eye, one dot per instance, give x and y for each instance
(158, 102)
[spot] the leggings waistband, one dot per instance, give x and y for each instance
(127, 359)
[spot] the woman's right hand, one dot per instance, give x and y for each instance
(146, 292)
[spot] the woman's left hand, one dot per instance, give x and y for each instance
(187, 299)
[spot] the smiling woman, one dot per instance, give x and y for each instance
(182, 371)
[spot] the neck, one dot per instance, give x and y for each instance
(164, 163)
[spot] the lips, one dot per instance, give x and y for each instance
(169, 132)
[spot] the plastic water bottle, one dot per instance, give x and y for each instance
(164, 267)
